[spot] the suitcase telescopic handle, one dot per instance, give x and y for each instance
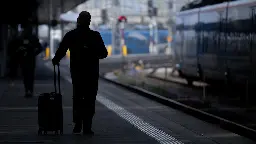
(55, 86)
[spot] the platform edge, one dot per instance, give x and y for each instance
(223, 123)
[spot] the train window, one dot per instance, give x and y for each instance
(189, 47)
(253, 31)
(238, 31)
(190, 20)
(190, 37)
(178, 43)
(179, 22)
(210, 27)
(253, 28)
(222, 34)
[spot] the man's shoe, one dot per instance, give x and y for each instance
(12, 83)
(77, 129)
(29, 94)
(88, 132)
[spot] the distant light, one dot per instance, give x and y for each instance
(19, 28)
(177, 65)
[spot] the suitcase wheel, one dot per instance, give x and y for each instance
(45, 132)
(56, 132)
(40, 131)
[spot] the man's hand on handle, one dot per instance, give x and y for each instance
(55, 62)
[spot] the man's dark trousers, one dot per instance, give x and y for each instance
(84, 96)
(28, 70)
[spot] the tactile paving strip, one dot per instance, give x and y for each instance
(143, 126)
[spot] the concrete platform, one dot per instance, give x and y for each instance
(121, 117)
(18, 123)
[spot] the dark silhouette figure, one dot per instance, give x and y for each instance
(86, 48)
(13, 58)
(25, 48)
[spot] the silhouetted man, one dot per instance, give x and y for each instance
(13, 55)
(28, 47)
(86, 48)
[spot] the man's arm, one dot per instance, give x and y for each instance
(12, 46)
(63, 47)
(102, 51)
(38, 46)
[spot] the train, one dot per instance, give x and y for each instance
(217, 43)
(137, 41)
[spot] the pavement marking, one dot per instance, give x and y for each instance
(140, 124)
(222, 135)
(16, 131)
(25, 108)
(145, 127)
(25, 142)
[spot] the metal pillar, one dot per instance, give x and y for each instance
(50, 28)
(155, 35)
(35, 19)
(113, 35)
(61, 21)
(169, 50)
(122, 37)
(151, 32)
(122, 44)
(115, 11)
(151, 26)
(172, 11)
(49, 22)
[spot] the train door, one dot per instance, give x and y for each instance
(253, 44)
(238, 50)
(211, 41)
(182, 38)
(222, 43)
(178, 41)
(189, 55)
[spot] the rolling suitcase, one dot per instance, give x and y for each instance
(50, 111)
